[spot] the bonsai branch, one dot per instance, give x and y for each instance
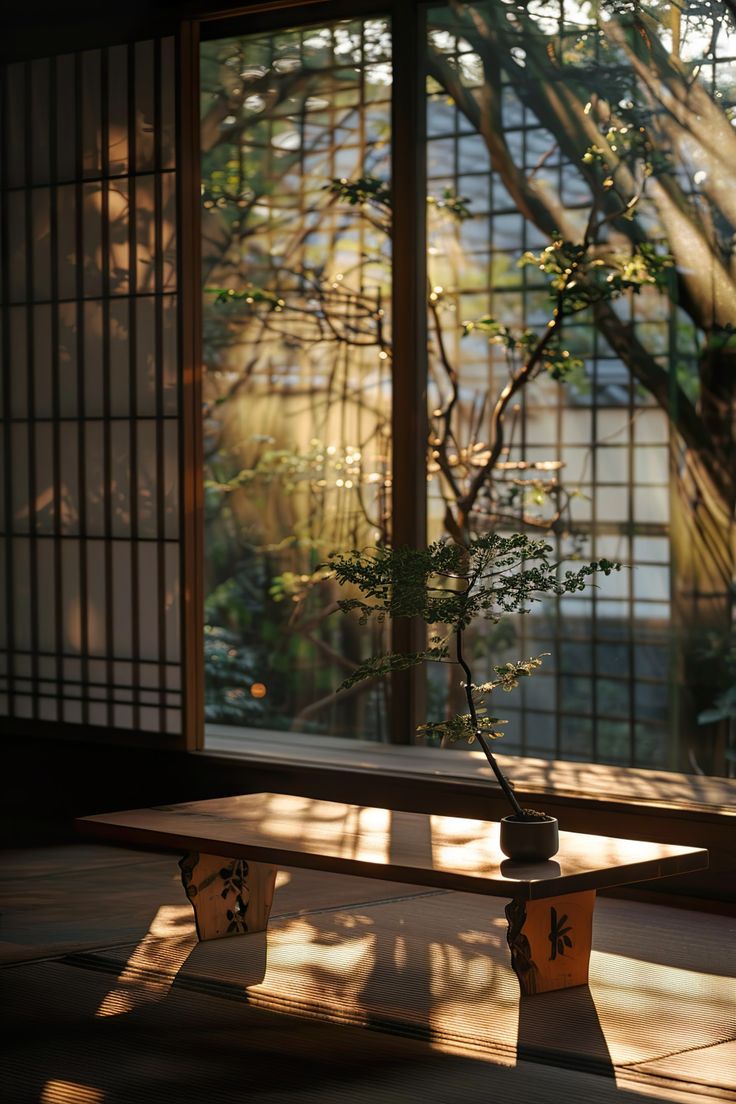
(502, 780)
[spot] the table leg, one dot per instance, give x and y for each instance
(229, 896)
(550, 941)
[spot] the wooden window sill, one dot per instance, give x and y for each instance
(594, 784)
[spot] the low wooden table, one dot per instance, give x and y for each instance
(233, 846)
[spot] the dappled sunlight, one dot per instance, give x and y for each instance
(332, 967)
(151, 969)
(435, 967)
(465, 845)
(607, 851)
(636, 785)
(460, 975)
(475, 995)
(377, 963)
(445, 852)
(493, 937)
(441, 966)
(70, 1092)
(348, 831)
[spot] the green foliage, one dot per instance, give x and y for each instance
(364, 190)
(580, 275)
(453, 204)
(385, 664)
(720, 654)
(369, 190)
(230, 668)
(250, 295)
(600, 274)
(463, 726)
(290, 469)
(450, 585)
(723, 708)
(557, 360)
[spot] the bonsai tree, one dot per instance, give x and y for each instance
(448, 586)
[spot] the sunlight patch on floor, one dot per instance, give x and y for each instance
(70, 1092)
(141, 980)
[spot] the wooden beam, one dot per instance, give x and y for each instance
(190, 392)
(409, 339)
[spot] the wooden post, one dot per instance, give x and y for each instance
(550, 941)
(229, 896)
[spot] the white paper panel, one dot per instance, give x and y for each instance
(18, 362)
(117, 123)
(120, 478)
(83, 353)
(44, 489)
(122, 607)
(43, 390)
(66, 254)
(22, 594)
(93, 393)
(96, 593)
(148, 598)
(46, 598)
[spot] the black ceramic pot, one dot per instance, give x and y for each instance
(529, 840)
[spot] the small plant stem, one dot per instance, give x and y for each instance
(502, 780)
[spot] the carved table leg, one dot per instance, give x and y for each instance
(229, 896)
(550, 941)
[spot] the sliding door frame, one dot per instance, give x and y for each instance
(408, 303)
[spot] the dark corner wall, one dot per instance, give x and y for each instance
(35, 29)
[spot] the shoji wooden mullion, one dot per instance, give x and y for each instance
(90, 529)
(160, 424)
(409, 419)
(30, 237)
(190, 384)
(8, 619)
(81, 352)
(106, 382)
(133, 387)
(56, 389)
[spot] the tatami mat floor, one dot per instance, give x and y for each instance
(362, 991)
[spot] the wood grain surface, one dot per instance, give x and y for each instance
(229, 896)
(417, 848)
(550, 941)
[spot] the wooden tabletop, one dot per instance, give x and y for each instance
(417, 848)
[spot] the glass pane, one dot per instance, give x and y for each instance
(582, 381)
(295, 128)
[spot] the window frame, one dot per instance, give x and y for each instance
(408, 160)
(408, 408)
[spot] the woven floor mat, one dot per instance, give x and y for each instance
(66, 1043)
(57, 900)
(436, 968)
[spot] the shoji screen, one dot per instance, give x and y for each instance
(90, 391)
